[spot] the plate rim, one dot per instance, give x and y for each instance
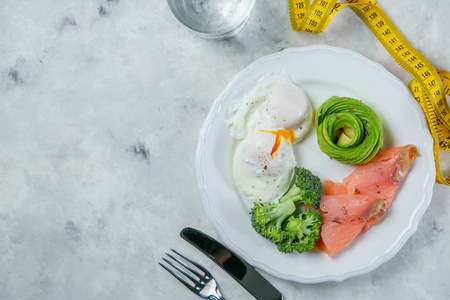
(201, 148)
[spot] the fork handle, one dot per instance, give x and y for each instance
(216, 298)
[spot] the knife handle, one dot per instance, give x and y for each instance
(238, 268)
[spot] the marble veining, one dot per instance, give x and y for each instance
(101, 103)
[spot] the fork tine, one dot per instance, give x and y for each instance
(203, 269)
(186, 266)
(190, 287)
(181, 271)
(205, 287)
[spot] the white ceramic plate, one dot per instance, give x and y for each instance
(322, 72)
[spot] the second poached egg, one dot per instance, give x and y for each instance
(263, 165)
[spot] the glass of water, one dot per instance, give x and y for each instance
(213, 19)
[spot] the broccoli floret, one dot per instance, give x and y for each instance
(267, 219)
(287, 223)
(301, 231)
(307, 188)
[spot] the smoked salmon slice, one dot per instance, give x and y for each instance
(362, 199)
(344, 217)
(334, 188)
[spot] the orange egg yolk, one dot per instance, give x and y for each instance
(287, 134)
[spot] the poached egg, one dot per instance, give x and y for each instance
(275, 103)
(263, 165)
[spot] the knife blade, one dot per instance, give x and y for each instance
(238, 268)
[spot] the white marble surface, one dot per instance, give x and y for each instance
(101, 103)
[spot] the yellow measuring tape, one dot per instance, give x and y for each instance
(429, 85)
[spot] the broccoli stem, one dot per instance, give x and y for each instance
(292, 194)
(293, 224)
(282, 211)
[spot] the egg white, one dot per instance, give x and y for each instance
(275, 102)
(259, 176)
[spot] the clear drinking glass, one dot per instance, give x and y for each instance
(213, 19)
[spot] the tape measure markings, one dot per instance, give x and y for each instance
(429, 86)
(410, 59)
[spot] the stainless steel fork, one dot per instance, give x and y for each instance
(204, 285)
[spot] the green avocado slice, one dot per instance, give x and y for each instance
(348, 130)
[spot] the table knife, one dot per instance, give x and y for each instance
(238, 268)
